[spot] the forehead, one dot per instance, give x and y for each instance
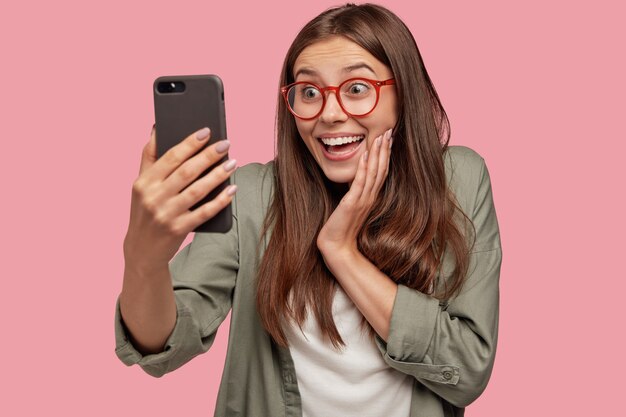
(331, 57)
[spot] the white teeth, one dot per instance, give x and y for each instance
(342, 140)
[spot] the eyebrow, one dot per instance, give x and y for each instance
(349, 68)
(359, 65)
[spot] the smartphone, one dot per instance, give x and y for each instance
(182, 105)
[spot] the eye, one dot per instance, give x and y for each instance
(310, 93)
(358, 88)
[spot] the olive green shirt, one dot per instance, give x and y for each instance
(448, 347)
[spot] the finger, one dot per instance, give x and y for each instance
(191, 169)
(383, 162)
(372, 167)
(189, 221)
(177, 155)
(199, 189)
(148, 156)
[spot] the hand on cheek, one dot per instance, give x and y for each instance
(340, 232)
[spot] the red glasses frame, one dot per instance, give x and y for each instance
(376, 83)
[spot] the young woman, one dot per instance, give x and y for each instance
(363, 263)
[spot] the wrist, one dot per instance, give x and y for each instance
(144, 271)
(336, 258)
(332, 248)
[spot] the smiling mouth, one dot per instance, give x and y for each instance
(341, 145)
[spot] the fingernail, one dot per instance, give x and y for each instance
(365, 155)
(390, 142)
(379, 141)
(222, 146)
(203, 133)
(230, 164)
(232, 189)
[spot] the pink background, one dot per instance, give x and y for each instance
(536, 88)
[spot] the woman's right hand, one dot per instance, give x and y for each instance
(160, 218)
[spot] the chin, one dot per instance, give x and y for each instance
(340, 176)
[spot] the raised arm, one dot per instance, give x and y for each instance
(448, 346)
(148, 311)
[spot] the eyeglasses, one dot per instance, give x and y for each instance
(357, 97)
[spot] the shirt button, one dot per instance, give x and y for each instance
(447, 375)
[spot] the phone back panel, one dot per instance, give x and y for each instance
(179, 114)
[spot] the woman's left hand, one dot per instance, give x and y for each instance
(339, 234)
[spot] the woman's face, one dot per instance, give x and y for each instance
(328, 63)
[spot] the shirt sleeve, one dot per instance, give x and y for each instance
(203, 277)
(450, 346)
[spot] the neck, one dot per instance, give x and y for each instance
(337, 190)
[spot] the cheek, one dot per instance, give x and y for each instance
(305, 130)
(299, 126)
(389, 109)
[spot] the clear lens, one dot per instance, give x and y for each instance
(305, 100)
(358, 97)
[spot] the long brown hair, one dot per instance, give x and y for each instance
(412, 223)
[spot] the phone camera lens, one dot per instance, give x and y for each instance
(171, 87)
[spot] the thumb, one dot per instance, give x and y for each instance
(149, 154)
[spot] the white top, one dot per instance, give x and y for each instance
(352, 382)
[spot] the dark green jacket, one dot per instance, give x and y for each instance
(449, 347)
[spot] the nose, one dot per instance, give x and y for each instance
(332, 111)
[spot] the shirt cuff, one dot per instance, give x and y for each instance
(413, 321)
(412, 326)
(155, 364)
